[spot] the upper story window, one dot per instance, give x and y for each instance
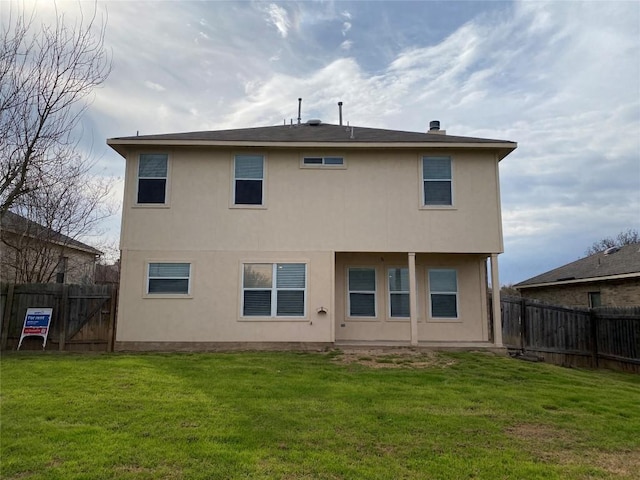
(437, 181)
(323, 161)
(152, 178)
(248, 180)
(443, 293)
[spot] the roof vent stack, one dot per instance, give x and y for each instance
(299, 111)
(434, 127)
(340, 111)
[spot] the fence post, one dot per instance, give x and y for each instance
(523, 324)
(63, 317)
(594, 336)
(112, 318)
(6, 317)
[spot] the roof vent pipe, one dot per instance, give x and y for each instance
(434, 125)
(299, 110)
(340, 110)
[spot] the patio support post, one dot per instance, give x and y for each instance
(413, 299)
(495, 292)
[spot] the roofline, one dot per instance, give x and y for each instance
(579, 280)
(86, 248)
(114, 143)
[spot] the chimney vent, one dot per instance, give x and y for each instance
(434, 127)
(340, 110)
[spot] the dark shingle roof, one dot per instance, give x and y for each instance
(14, 223)
(312, 133)
(625, 261)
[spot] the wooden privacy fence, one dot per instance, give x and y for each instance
(599, 337)
(83, 319)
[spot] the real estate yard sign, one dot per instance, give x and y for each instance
(36, 324)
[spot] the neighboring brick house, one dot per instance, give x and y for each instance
(308, 234)
(32, 253)
(608, 279)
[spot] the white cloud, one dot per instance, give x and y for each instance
(346, 45)
(278, 17)
(346, 26)
(154, 86)
(276, 57)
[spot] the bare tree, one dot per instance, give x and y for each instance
(626, 237)
(44, 226)
(509, 291)
(47, 74)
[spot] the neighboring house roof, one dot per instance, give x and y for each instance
(311, 134)
(613, 263)
(17, 224)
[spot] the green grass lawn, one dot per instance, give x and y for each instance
(303, 416)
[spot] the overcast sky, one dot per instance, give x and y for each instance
(562, 79)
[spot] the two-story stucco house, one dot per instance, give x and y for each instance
(308, 234)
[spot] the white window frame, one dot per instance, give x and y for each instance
(167, 294)
(323, 164)
(274, 290)
(263, 202)
(389, 292)
(375, 293)
(165, 178)
(423, 182)
(456, 293)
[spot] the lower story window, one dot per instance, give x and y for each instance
(594, 299)
(362, 291)
(169, 278)
(443, 293)
(274, 290)
(399, 292)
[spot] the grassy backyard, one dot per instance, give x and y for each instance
(304, 416)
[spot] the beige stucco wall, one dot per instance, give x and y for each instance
(613, 293)
(371, 205)
(471, 324)
(212, 312)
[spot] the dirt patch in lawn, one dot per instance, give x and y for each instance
(554, 445)
(392, 358)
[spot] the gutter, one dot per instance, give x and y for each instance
(579, 280)
(506, 147)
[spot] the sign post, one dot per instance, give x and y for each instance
(36, 324)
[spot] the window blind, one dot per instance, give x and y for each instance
(249, 167)
(152, 165)
(436, 168)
